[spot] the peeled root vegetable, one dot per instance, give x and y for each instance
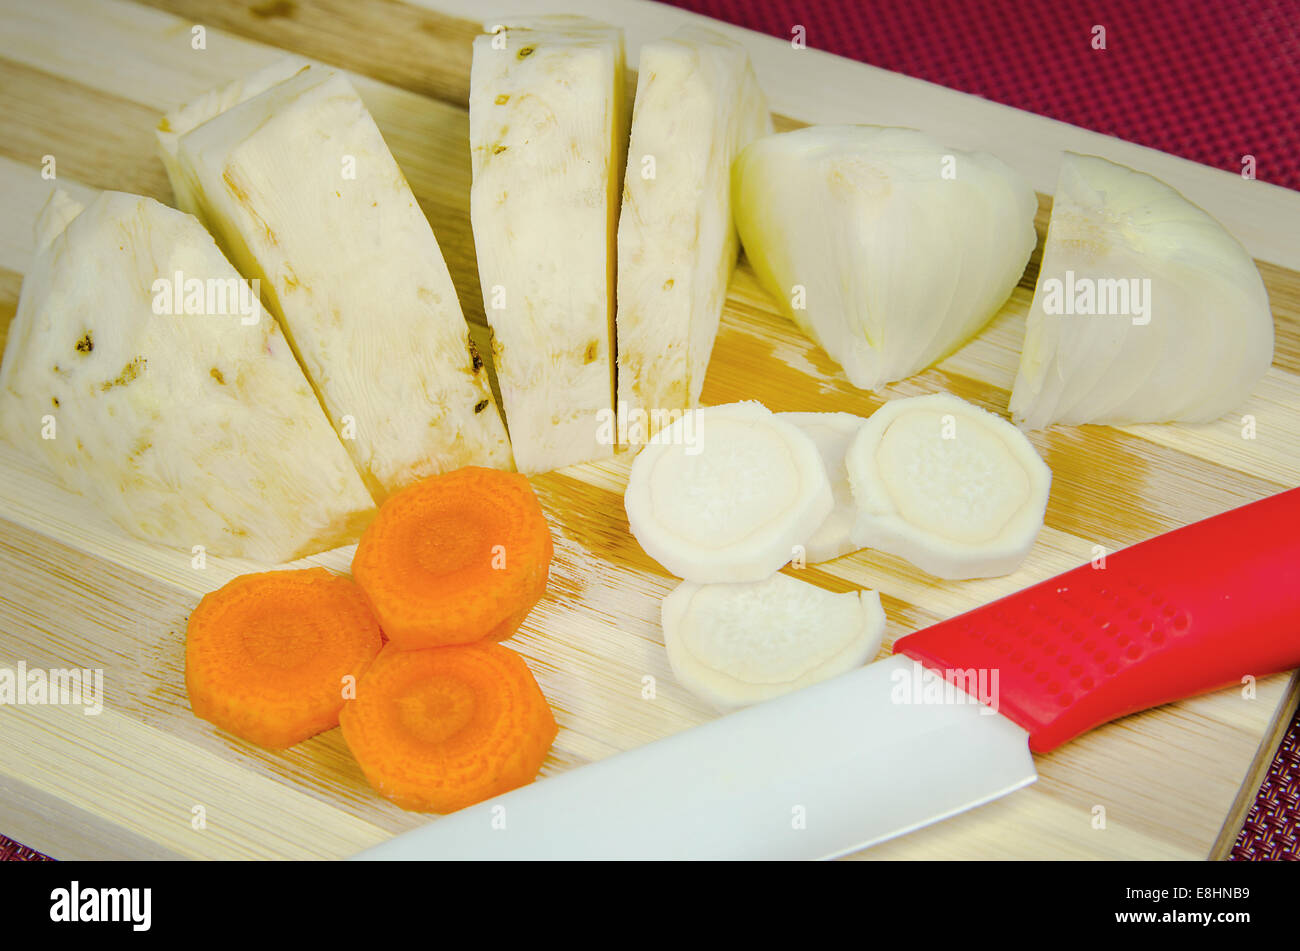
(455, 558)
(737, 644)
(186, 427)
(697, 104)
(547, 130)
(291, 174)
(438, 730)
(1146, 310)
(957, 491)
(833, 433)
(267, 655)
(725, 493)
(885, 247)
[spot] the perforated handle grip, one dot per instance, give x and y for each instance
(1177, 615)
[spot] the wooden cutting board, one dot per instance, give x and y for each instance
(86, 83)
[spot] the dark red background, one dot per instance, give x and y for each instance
(1210, 81)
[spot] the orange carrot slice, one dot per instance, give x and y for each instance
(441, 729)
(266, 655)
(455, 558)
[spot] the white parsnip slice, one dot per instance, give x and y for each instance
(956, 490)
(736, 644)
(548, 130)
(188, 425)
(697, 105)
(725, 493)
(833, 433)
(290, 172)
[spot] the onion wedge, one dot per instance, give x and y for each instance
(957, 491)
(885, 247)
(725, 493)
(1146, 310)
(833, 433)
(736, 644)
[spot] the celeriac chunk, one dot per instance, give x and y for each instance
(294, 178)
(547, 135)
(188, 425)
(697, 105)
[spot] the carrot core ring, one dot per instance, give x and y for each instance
(455, 558)
(266, 656)
(437, 730)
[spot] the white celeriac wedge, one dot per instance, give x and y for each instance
(833, 433)
(954, 489)
(293, 177)
(697, 105)
(1146, 309)
(725, 493)
(189, 425)
(737, 644)
(885, 247)
(548, 130)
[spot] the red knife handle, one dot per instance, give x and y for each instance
(1192, 610)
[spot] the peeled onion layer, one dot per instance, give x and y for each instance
(737, 644)
(955, 490)
(833, 433)
(725, 493)
(1185, 337)
(885, 247)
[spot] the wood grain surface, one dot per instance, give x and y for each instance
(87, 81)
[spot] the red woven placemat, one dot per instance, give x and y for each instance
(1212, 82)
(1208, 81)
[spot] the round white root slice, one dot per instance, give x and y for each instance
(957, 491)
(736, 644)
(833, 433)
(725, 493)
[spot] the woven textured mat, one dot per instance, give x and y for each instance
(1212, 82)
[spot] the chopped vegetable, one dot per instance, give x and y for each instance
(547, 136)
(268, 656)
(140, 367)
(697, 104)
(737, 644)
(885, 247)
(291, 174)
(725, 493)
(1146, 310)
(456, 558)
(955, 490)
(439, 730)
(833, 433)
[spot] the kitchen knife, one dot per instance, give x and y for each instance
(946, 724)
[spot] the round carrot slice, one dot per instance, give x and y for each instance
(266, 655)
(455, 558)
(441, 729)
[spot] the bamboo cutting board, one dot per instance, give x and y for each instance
(86, 82)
